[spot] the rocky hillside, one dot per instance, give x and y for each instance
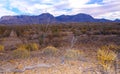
(49, 18)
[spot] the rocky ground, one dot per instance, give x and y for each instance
(44, 65)
(51, 65)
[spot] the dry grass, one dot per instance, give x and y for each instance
(1, 48)
(112, 47)
(73, 54)
(21, 53)
(50, 50)
(69, 67)
(30, 46)
(33, 46)
(106, 57)
(88, 34)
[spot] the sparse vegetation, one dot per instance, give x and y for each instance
(33, 46)
(29, 46)
(113, 47)
(21, 53)
(1, 48)
(82, 39)
(50, 50)
(72, 54)
(106, 58)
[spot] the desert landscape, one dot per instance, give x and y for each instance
(59, 36)
(63, 48)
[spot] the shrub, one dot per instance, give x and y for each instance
(41, 40)
(76, 32)
(30, 47)
(1, 48)
(33, 46)
(21, 53)
(72, 54)
(112, 47)
(83, 31)
(50, 50)
(23, 46)
(106, 57)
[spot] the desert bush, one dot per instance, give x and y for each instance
(50, 50)
(72, 54)
(77, 32)
(83, 31)
(106, 57)
(112, 47)
(1, 48)
(41, 39)
(21, 52)
(30, 46)
(23, 46)
(33, 46)
(56, 32)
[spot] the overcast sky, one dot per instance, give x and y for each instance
(109, 9)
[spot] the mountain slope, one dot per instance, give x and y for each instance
(49, 18)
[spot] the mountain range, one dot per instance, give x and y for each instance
(49, 18)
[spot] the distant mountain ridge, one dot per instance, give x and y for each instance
(49, 18)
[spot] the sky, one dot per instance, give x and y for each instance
(108, 9)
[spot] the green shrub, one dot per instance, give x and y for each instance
(21, 53)
(1, 48)
(50, 50)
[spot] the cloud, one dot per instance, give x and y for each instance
(4, 10)
(106, 10)
(100, 9)
(77, 3)
(29, 7)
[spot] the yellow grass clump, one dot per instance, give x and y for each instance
(30, 46)
(1, 48)
(21, 53)
(112, 47)
(50, 50)
(33, 46)
(106, 57)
